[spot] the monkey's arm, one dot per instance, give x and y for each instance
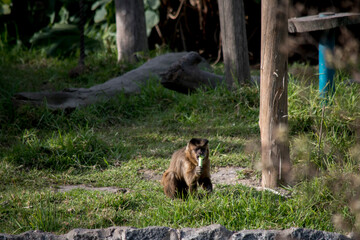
(205, 178)
(191, 176)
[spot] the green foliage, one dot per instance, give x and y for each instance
(104, 19)
(60, 151)
(40, 212)
(236, 207)
(53, 26)
(62, 39)
(5, 7)
(339, 121)
(152, 16)
(101, 13)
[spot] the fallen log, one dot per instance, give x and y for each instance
(186, 76)
(179, 71)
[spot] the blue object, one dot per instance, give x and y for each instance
(326, 73)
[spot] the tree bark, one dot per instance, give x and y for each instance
(234, 41)
(186, 75)
(130, 28)
(273, 117)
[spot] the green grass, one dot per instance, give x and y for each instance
(110, 143)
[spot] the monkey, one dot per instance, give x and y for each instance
(184, 173)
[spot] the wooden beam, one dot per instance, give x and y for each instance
(273, 117)
(316, 23)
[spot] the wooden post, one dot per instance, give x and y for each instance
(234, 41)
(273, 117)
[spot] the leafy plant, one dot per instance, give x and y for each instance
(104, 19)
(62, 40)
(104, 27)
(152, 17)
(5, 7)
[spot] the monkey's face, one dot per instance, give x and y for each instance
(199, 147)
(201, 151)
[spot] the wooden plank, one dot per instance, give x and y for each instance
(273, 118)
(316, 23)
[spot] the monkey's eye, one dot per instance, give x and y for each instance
(200, 151)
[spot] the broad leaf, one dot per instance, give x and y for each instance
(62, 40)
(5, 9)
(99, 3)
(154, 4)
(100, 14)
(152, 19)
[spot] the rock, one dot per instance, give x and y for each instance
(149, 233)
(92, 234)
(215, 231)
(32, 235)
(309, 234)
(255, 235)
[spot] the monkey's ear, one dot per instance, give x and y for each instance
(205, 142)
(199, 141)
(195, 141)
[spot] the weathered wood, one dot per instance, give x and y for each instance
(129, 83)
(130, 28)
(234, 41)
(316, 23)
(185, 76)
(273, 118)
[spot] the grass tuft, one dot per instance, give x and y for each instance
(60, 151)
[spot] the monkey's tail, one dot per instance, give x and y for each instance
(169, 181)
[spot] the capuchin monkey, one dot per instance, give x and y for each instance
(189, 167)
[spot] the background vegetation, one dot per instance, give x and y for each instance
(35, 23)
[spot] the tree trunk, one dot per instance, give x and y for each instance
(130, 28)
(234, 41)
(273, 118)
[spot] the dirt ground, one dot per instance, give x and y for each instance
(220, 175)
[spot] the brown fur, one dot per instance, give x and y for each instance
(184, 174)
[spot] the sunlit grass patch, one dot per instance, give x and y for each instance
(60, 151)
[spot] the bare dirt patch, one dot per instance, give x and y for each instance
(235, 175)
(227, 176)
(220, 175)
(149, 175)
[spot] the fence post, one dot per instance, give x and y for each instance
(273, 118)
